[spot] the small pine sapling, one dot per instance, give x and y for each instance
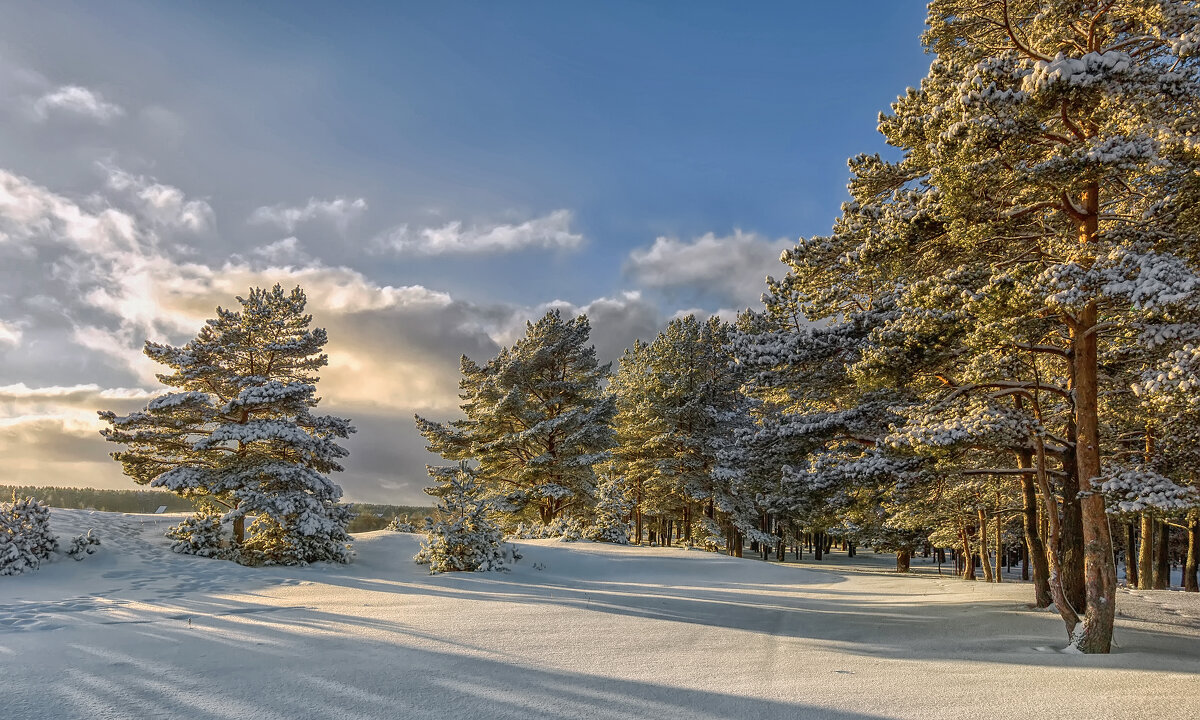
(464, 539)
(83, 545)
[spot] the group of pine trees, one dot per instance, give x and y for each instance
(1004, 325)
(1003, 329)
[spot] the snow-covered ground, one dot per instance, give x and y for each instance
(575, 631)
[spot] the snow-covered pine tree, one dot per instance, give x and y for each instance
(464, 538)
(25, 536)
(673, 396)
(200, 534)
(638, 428)
(83, 545)
(818, 428)
(611, 520)
(238, 433)
(537, 420)
(1057, 138)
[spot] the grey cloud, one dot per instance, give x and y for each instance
(730, 270)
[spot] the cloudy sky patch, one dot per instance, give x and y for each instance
(149, 174)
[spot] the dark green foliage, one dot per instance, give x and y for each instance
(130, 501)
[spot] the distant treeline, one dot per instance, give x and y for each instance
(368, 516)
(131, 501)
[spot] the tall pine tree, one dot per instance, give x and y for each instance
(536, 420)
(239, 433)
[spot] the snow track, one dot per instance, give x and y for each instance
(575, 631)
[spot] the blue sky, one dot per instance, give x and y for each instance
(436, 172)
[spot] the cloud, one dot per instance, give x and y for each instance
(90, 280)
(549, 231)
(159, 203)
(339, 211)
(10, 333)
(287, 251)
(22, 392)
(76, 100)
(729, 269)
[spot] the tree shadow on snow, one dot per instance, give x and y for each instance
(273, 663)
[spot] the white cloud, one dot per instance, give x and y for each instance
(10, 333)
(79, 101)
(729, 315)
(732, 269)
(548, 231)
(21, 391)
(101, 280)
(162, 204)
(340, 211)
(287, 251)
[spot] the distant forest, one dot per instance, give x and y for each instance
(367, 516)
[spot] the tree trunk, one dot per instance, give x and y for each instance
(818, 546)
(1035, 550)
(239, 530)
(983, 546)
(1069, 616)
(1190, 583)
(1071, 541)
(999, 544)
(903, 560)
(1146, 552)
(1131, 555)
(1100, 572)
(1162, 562)
(968, 559)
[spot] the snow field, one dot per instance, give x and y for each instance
(577, 630)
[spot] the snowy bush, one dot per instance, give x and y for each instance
(613, 509)
(199, 535)
(401, 524)
(567, 529)
(465, 539)
(83, 545)
(25, 536)
(300, 540)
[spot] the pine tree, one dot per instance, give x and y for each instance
(464, 539)
(83, 545)
(674, 399)
(611, 522)
(537, 420)
(1056, 137)
(25, 536)
(239, 434)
